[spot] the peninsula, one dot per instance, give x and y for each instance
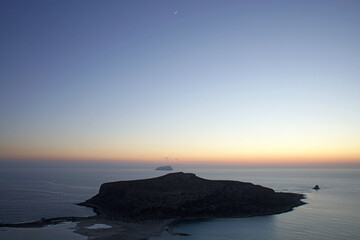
(184, 195)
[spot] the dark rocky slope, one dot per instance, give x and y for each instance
(184, 195)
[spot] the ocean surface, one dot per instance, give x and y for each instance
(33, 191)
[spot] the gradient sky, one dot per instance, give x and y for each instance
(201, 81)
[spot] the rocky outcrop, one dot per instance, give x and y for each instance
(184, 195)
(316, 187)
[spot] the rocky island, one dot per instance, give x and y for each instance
(184, 195)
(164, 168)
(140, 209)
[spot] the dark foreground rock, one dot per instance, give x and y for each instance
(184, 195)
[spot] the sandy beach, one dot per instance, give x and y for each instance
(120, 229)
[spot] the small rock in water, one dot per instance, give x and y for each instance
(316, 187)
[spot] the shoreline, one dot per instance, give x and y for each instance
(116, 229)
(126, 229)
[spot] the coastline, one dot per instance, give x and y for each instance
(125, 229)
(115, 229)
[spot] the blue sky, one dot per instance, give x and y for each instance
(195, 79)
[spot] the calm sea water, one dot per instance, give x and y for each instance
(33, 192)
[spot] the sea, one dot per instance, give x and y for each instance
(31, 191)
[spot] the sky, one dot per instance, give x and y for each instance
(240, 82)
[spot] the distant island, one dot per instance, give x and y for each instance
(164, 168)
(184, 195)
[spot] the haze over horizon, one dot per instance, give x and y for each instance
(236, 82)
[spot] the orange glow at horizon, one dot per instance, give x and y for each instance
(223, 147)
(210, 157)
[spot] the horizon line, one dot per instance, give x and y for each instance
(186, 163)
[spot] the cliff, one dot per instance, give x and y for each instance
(184, 195)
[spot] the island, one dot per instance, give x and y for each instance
(164, 168)
(141, 209)
(184, 195)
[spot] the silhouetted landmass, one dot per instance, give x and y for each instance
(152, 205)
(316, 187)
(184, 195)
(164, 168)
